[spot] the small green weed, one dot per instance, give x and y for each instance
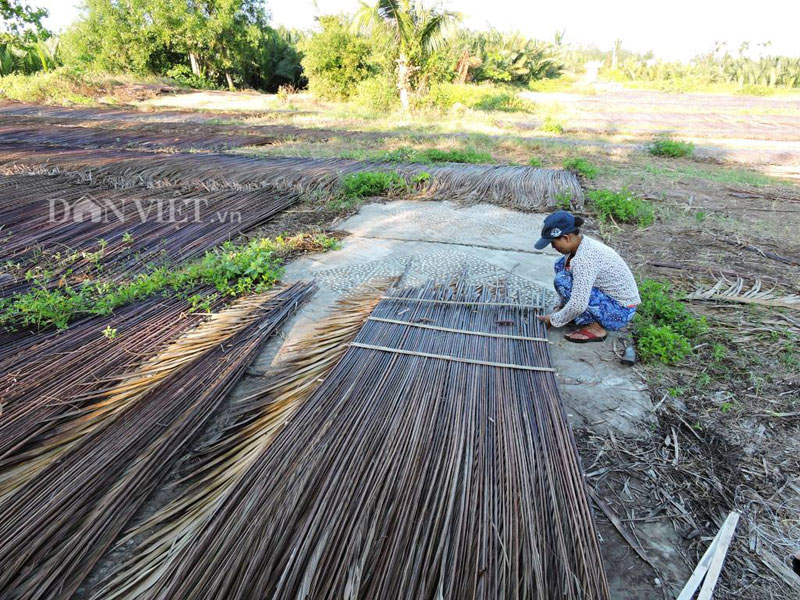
(551, 125)
(371, 183)
(535, 162)
(621, 207)
(663, 327)
(700, 216)
(661, 344)
(110, 333)
(670, 148)
(564, 201)
(581, 166)
(421, 178)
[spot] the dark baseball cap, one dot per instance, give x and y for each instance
(559, 223)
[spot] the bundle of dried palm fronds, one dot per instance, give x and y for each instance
(520, 187)
(60, 522)
(121, 232)
(257, 419)
(434, 461)
(94, 137)
(725, 290)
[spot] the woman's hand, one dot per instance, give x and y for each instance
(545, 319)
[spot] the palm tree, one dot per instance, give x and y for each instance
(415, 31)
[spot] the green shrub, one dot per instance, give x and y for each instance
(551, 125)
(535, 162)
(478, 97)
(371, 183)
(664, 329)
(621, 206)
(670, 148)
(756, 90)
(376, 93)
(581, 166)
(335, 60)
(182, 75)
(661, 344)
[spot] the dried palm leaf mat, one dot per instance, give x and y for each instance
(524, 188)
(91, 137)
(141, 228)
(408, 476)
(50, 379)
(256, 421)
(57, 525)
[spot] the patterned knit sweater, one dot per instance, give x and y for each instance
(596, 265)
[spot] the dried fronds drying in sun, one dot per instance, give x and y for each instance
(120, 232)
(257, 419)
(79, 363)
(525, 188)
(59, 523)
(434, 461)
(91, 137)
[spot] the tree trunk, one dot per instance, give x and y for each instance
(195, 64)
(403, 80)
(231, 87)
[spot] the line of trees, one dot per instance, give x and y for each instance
(389, 51)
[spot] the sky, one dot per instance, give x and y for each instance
(674, 30)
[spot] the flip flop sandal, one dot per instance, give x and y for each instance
(590, 337)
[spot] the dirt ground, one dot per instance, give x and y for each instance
(726, 423)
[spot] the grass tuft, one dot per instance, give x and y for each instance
(670, 148)
(621, 207)
(581, 167)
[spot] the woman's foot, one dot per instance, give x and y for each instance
(591, 333)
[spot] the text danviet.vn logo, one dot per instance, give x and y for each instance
(98, 210)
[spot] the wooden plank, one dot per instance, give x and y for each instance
(715, 568)
(700, 570)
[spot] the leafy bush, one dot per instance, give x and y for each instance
(335, 60)
(376, 93)
(581, 166)
(371, 183)
(670, 148)
(621, 207)
(661, 344)
(663, 327)
(182, 75)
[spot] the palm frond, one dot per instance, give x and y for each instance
(258, 420)
(725, 290)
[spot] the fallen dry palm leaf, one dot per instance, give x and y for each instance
(58, 524)
(257, 420)
(102, 408)
(80, 363)
(430, 463)
(526, 188)
(725, 290)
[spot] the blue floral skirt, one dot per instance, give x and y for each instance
(602, 308)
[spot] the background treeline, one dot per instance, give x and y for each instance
(392, 52)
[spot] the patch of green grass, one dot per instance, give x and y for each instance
(664, 328)
(581, 166)
(714, 174)
(233, 270)
(552, 125)
(425, 156)
(372, 183)
(478, 97)
(621, 207)
(535, 162)
(670, 148)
